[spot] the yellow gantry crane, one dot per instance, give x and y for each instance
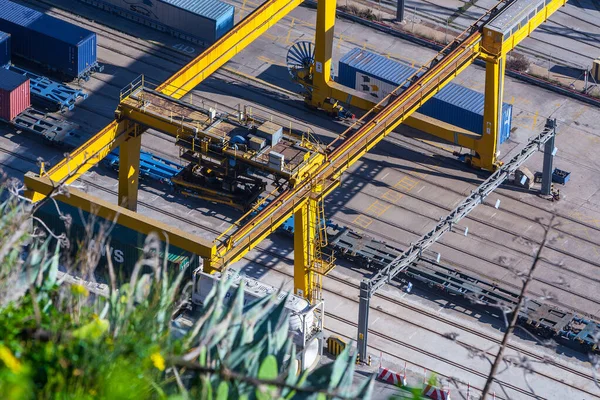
(490, 38)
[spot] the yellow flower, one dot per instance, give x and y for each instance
(158, 361)
(9, 360)
(79, 289)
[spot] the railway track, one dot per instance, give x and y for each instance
(168, 56)
(390, 6)
(474, 234)
(379, 295)
(433, 316)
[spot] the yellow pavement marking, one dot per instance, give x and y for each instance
(535, 117)
(378, 208)
(406, 183)
(270, 61)
(363, 221)
(392, 195)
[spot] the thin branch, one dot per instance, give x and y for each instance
(228, 374)
(515, 316)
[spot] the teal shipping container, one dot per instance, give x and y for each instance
(124, 245)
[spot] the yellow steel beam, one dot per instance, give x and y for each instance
(89, 154)
(129, 172)
(354, 146)
(228, 46)
(250, 28)
(127, 218)
(504, 33)
(324, 42)
(492, 113)
(305, 220)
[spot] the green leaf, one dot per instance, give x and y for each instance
(268, 368)
(93, 330)
(223, 391)
(268, 371)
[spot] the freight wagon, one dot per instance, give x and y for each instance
(456, 105)
(125, 246)
(197, 21)
(61, 47)
(4, 49)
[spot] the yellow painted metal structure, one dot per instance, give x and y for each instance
(317, 181)
(501, 34)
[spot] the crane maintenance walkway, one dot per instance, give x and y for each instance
(218, 139)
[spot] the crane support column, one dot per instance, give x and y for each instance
(492, 113)
(363, 320)
(129, 171)
(305, 224)
(324, 42)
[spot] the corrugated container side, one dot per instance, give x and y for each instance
(194, 20)
(506, 124)
(372, 73)
(125, 245)
(4, 49)
(53, 43)
(14, 94)
(454, 104)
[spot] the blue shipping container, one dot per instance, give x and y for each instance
(55, 44)
(198, 21)
(4, 49)
(454, 104)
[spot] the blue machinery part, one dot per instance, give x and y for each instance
(48, 94)
(151, 166)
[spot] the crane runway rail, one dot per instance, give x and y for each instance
(546, 321)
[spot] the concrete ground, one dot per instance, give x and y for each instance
(395, 193)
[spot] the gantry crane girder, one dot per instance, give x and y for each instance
(501, 34)
(323, 176)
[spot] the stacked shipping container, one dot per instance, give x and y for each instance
(4, 49)
(203, 21)
(14, 94)
(454, 104)
(53, 43)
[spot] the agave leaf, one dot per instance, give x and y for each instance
(52, 277)
(268, 368)
(341, 367)
(222, 391)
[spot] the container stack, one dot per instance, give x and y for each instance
(57, 45)
(4, 49)
(198, 21)
(14, 94)
(455, 105)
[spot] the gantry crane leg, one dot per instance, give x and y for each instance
(305, 224)
(323, 49)
(129, 170)
(487, 147)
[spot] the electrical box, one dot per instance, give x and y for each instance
(256, 143)
(276, 161)
(596, 70)
(271, 132)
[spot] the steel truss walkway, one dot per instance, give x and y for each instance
(490, 38)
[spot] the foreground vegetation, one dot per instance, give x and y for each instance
(61, 341)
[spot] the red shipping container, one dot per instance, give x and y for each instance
(14, 94)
